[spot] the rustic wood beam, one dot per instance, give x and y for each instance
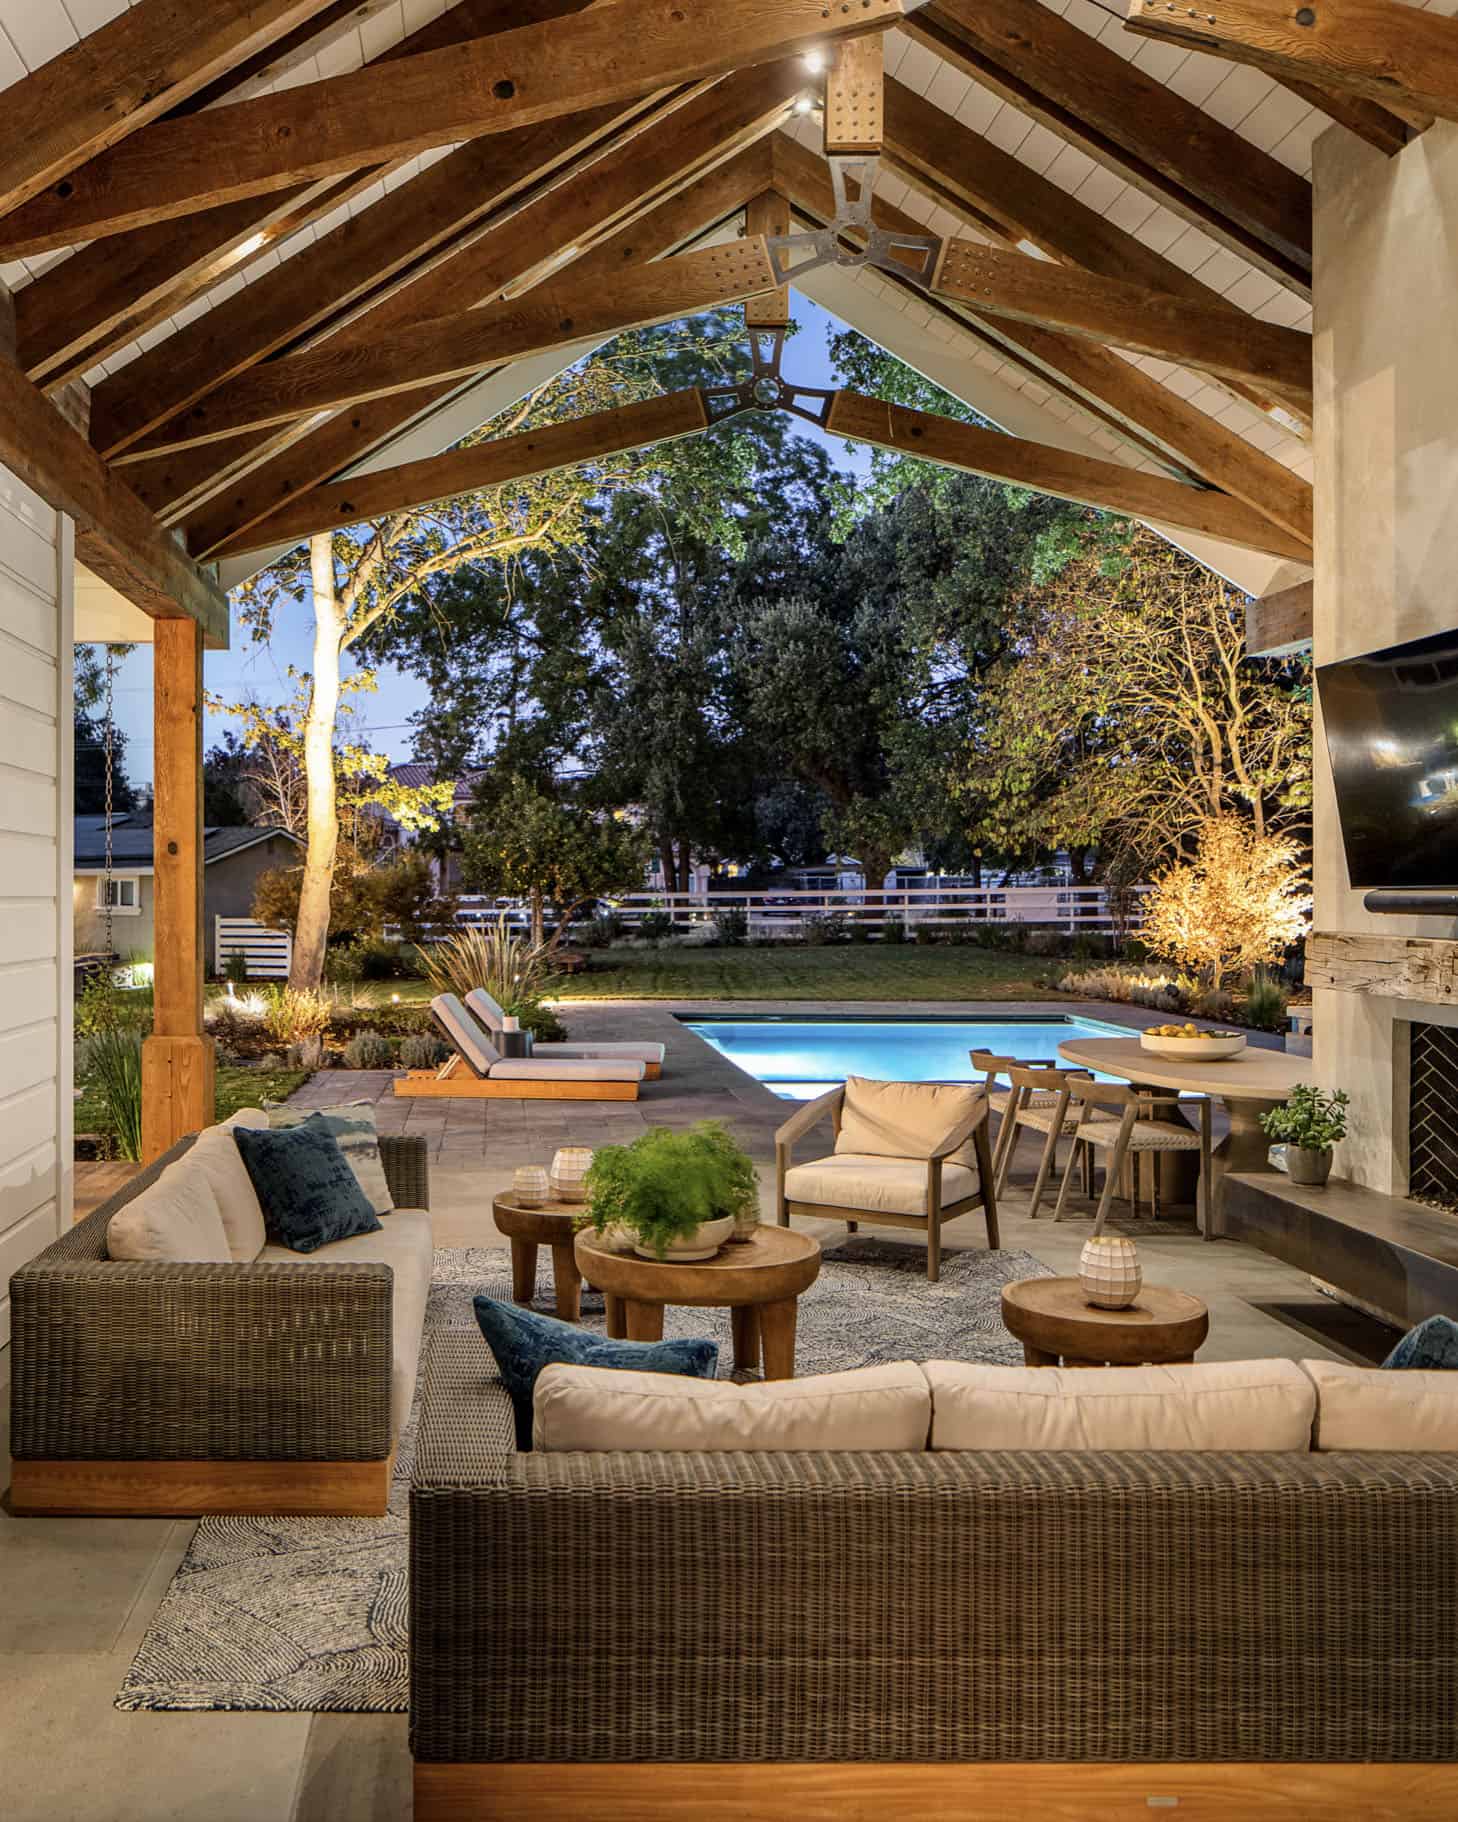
(116, 536)
(966, 173)
(490, 464)
(177, 1059)
(1156, 418)
(1131, 123)
(610, 53)
(853, 92)
(1203, 333)
(767, 214)
(1045, 469)
(120, 77)
(105, 295)
(1389, 52)
(252, 498)
(1280, 624)
(455, 347)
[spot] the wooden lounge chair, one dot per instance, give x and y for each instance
(479, 1072)
(490, 1014)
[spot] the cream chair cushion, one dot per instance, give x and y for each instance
(895, 1186)
(404, 1243)
(903, 1119)
(1256, 1405)
(175, 1220)
(1368, 1408)
(216, 1154)
(600, 1408)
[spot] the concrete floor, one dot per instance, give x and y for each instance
(77, 1593)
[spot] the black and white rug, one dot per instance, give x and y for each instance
(310, 1614)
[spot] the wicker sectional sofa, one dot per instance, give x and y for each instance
(272, 1386)
(954, 1635)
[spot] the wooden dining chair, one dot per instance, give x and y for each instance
(1041, 1098)
(1135, 1131)
(999, 1099)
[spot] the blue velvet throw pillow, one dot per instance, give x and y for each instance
(308, 1193)
(1433, 1343)
(524, 1343)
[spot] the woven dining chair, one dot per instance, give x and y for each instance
(1041, 1099)
(1135, 1132)
(999, 1099)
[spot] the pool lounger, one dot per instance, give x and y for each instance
(650, 1055)
(479, 1072)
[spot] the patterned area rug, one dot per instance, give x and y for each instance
(301, 1614)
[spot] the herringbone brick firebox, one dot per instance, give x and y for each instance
(1433, 1116)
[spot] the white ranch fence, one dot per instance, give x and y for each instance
(267, 953)
(783, 912)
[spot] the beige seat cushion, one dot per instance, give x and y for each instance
(896, 1186)
(903, 1119)
(614, 1052)
(215, 1152)
(1258, 1405)
(600, 1408)
(174, 1220)
(533, 1069)
(1367, 1408)
(404, 1243)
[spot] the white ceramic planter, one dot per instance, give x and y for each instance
(1110, 1272)
(702, 1243)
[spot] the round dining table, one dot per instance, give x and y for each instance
(1246, 1084)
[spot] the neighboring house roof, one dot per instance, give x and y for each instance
(131, 843)
(415, 772)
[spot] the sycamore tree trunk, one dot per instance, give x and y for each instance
(311, 933)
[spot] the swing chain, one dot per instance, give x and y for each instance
(107, 887)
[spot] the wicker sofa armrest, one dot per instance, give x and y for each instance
(407, 1169)
(116, 1360)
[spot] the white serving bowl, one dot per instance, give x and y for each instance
(1195, 1050)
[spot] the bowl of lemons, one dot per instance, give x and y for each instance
(1188, 1042)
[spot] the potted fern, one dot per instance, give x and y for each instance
(1308, 1125)
(677, 1196)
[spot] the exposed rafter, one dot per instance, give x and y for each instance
(767, 214)
(1389, 52)
(1057, 471)
(1121, 116)
(607, 54)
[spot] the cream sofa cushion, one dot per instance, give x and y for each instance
(895, 1186)
(404, 1243)
(1366, 1408)
(903, 1119)
(1261, 1406)
(215, 1153)
(175, 1220)
(601, 1409)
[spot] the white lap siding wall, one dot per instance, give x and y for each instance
(36, 584)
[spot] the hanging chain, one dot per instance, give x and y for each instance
(109, 766)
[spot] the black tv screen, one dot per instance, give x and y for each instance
(1392, 731)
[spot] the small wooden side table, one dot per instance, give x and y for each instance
(529, 1228)
(1059, 1327)
(758, 1282)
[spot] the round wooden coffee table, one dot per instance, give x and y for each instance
(757, 1281)
(549, 1225)
(1058, 1326)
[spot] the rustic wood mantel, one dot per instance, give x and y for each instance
(1388, 967)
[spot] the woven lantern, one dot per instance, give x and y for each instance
(1110, 1272)
(569, 1172)
(530, 1188)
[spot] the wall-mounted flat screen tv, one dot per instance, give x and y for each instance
(1392, 732)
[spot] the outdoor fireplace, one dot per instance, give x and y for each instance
(1433, 1115)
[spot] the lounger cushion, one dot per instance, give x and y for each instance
(174, 1220)
(1367, 1408)
(487, 1009)
(903, 1119)
(564, 1069)
(612, 1053)
(868, 1408)
(404, 1243)
(465, 1033)
(1261, 1406)
(896, 1186)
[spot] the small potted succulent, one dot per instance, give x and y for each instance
(674, 1195)
(1308, 1125)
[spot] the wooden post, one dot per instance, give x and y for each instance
(767, 214)
(177, 1060)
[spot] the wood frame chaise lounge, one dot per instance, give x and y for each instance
(479, 1072)
(491, 1014)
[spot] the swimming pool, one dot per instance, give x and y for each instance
(799, 1059)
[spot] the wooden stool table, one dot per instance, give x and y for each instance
(757, 1280)
(549, 1225)
(1058, 1326)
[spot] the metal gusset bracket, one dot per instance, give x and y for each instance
(793, 256)
(767, 389)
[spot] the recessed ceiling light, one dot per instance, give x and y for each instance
(804, 105)
(814, 61)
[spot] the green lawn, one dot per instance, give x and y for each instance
(236, 1088)
(842, 971)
